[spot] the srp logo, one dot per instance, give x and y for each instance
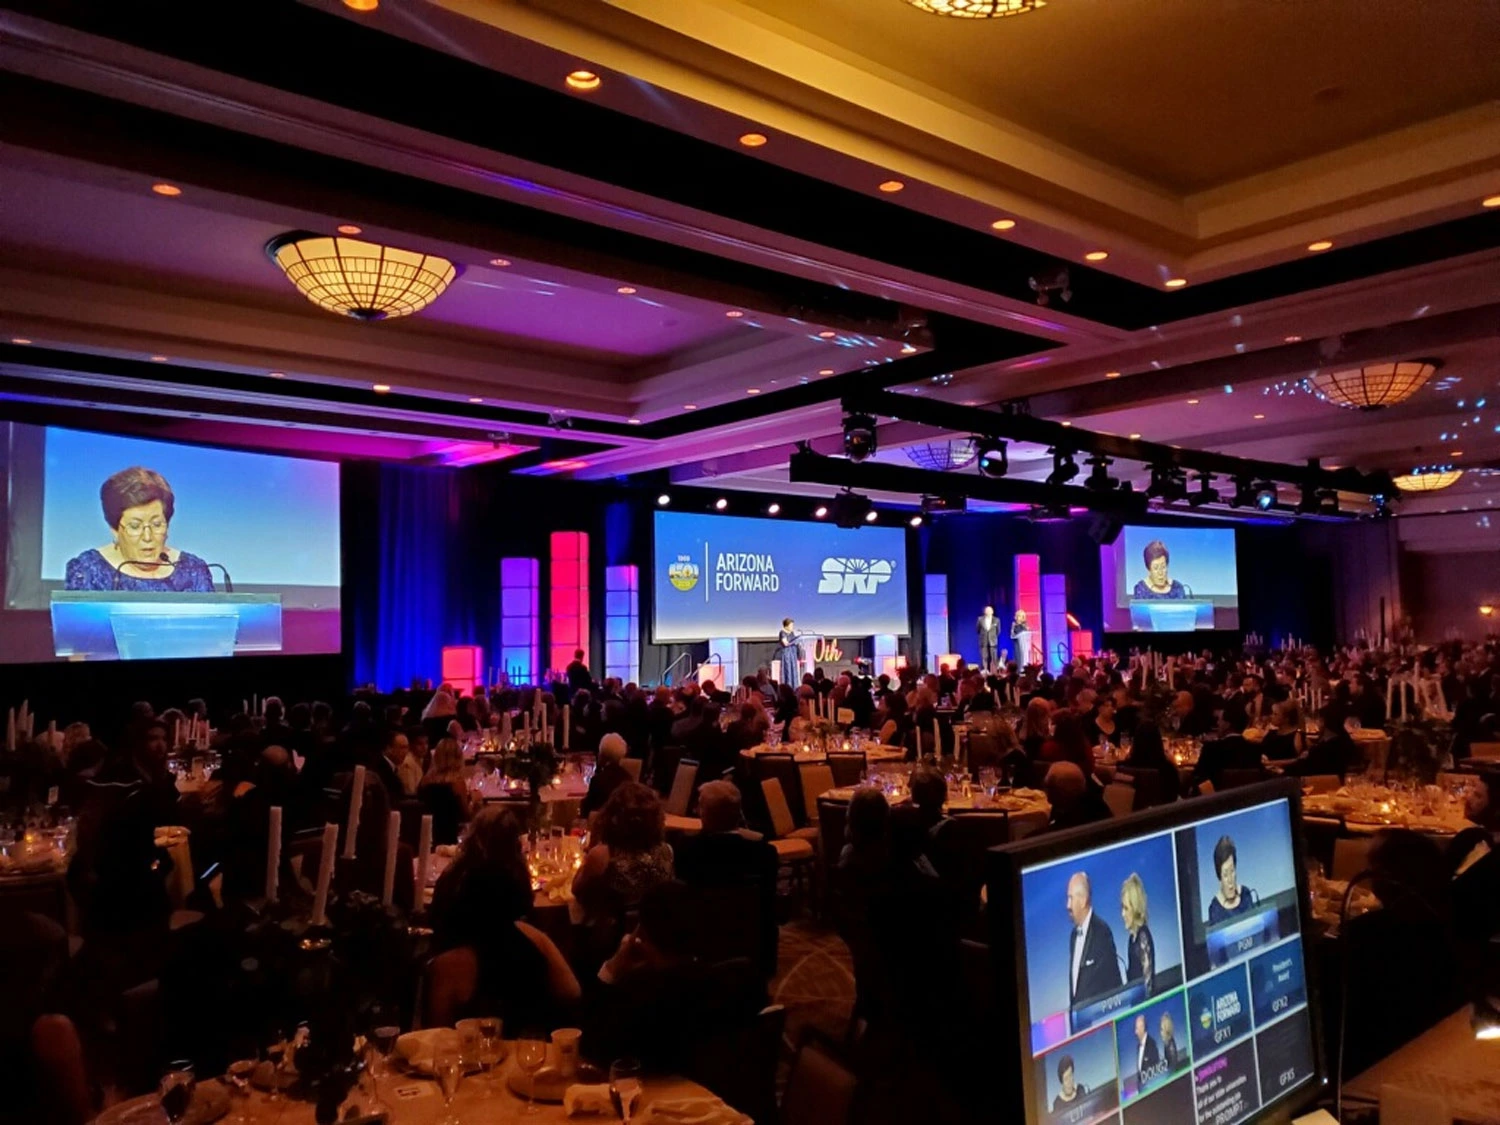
(683, 574)
(854, 576)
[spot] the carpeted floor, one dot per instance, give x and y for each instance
(814, 980)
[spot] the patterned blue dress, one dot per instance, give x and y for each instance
(92, 571)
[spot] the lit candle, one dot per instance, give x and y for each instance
(325, 874)
(273, 853)
(392, 845)
(424, 855)
(356, 802)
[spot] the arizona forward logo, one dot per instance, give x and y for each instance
(854, 576)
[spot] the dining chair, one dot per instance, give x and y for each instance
(1120, 797)
(632, 766)
(783, 769)
(847, 767)
(783, 824)
(680, 800)
(795, 850)
(1351, 855)
(817, 779)
(1023, 824)
(1484, 751)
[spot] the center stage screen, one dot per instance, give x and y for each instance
(1170, 580)
(724, 576)
(122, 548)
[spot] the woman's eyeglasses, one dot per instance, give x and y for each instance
(134, 528)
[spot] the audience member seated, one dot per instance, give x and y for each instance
(441, 710)
(489, 961)
(1232, 751)
(366, 871)
(747, 729)
(390, 766)
(1074, 801)
(609, 774)
(1148, 755)
(445, 794)
(629, 858)
(1285, 741)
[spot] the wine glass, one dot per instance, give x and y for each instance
(449, 1068)
(176, 1090)
(381, 1041)
(490, 1046)
(237, 1078)
(624, 1085)
(531, 1054)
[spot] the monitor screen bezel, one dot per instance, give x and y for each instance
(1008, 938)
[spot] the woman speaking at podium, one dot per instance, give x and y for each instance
(1158, 584)
(138, 506)
(789, 652)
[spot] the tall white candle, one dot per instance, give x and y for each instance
(10, 729)
(504, 727)
(567, 715)
(325, 874)
(245, 706)
(1390, 689)
(526, 721)
(937, 739)
(424, 856)
(392, 844)
(273, 853)
(356, 802)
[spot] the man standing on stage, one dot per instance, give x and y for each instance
(988, 628)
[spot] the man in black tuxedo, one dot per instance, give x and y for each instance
(1146, 1055)
(988, 628)
(1093, 968)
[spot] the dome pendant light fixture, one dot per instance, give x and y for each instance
(359, 279)
(1373, 386)
(1429, 479)
(977, 9)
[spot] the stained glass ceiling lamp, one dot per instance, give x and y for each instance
(1373, 386)
(359, 279)
(977, 9)
(942, 456)
(1428, 480)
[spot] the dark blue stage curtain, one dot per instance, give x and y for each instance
(423, 576)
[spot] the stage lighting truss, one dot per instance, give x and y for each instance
(1099, 479)
(1206, 493)
(1064, 467)
(993, 460)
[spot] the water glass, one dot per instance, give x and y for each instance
(176, 1090)
(531, 1056)
(624, 1085)
(448, 1066)
(237, 1078)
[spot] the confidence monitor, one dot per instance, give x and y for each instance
(1157, 965)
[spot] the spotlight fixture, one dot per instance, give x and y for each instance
(1244, 493)
(819, 512)
(1168, 484)
(1265, 495)
(1051, 283)
(859, 437)
(850, 509)
(915, 521)
(773, 509)
(1064, 467)
(993, 460)
(871, 515)
(358, 279)
(1099, 479)
(583, 80)
(1206, 494)
(720, 504)
(663, 500)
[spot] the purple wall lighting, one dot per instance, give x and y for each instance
(519, 619)
(622, 623)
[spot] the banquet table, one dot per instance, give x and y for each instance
(873, 752)
(1013, 803)
(1367, 809)
(418, 1101)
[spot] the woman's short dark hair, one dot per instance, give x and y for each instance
(632, 820)
(785, 621)
(131, 488)
(869, 818)
(1064, 1065)
(1156, 549)
(1224, 851)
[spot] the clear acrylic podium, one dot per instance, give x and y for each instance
(146, 625)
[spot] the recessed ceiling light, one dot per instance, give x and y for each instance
(476, 400)
(501, 262)
(752, 140)
(871, 516)
(664, 499)
(1003, 224)
(349, 228)
(626, 290)
(827, 335)
(19, 340)
(773, 509)
(1066, 425)
(381, 388)
(1192, 402)
(362, 5)
(908, 349)
(1320, 245)
(277, 374)
(1455, 453)
(752, 390)
(891, 186)
(690, 406)
(915, 521)
(1176, 282)
(825, 371)
(1111, 374)
(583, 80)
(1492, 201)
(1294, 339)
(632, 421)
(820, 511)
(721, 503)
(1096, 255)
(1260, 417)
(168, 190)
(158, 359)
(1135, 437)
(734, 314)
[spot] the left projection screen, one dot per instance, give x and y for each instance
(729, 576)
(122, 548)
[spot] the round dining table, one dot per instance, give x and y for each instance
(874, 753)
